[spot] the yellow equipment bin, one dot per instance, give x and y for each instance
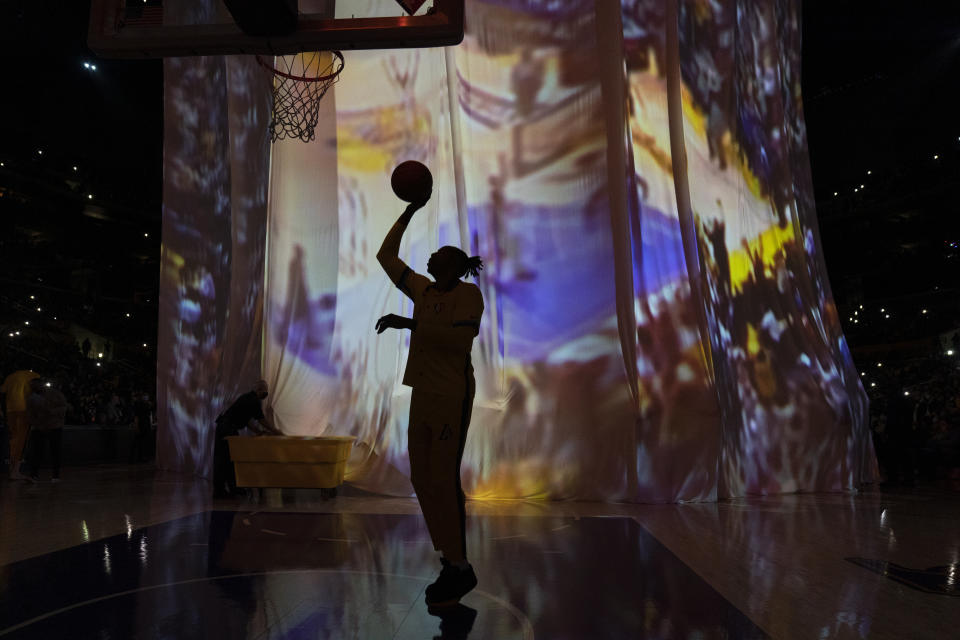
(301, 462)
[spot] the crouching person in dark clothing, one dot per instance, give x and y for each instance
(245, 412)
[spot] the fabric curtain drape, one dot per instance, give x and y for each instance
(658, 323)
(216, 155)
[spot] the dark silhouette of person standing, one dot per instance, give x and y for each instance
(49, 431)
(446, 319)
(142, 413)
(526, 80)
(36, 419)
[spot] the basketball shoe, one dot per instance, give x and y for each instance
(452, 585)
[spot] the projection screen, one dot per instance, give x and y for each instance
(658, 321)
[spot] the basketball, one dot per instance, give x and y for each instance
(412, 181)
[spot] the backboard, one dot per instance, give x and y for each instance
(168, 28)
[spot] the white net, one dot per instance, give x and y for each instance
(299, 83)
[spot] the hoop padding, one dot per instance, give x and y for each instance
(299, 83)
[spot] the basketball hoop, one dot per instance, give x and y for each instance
(298, 86)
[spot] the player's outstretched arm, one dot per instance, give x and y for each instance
(407, 280)
(393, 321)
(389, 254)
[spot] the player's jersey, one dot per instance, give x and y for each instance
(447, 322)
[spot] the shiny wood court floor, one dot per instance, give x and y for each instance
(126, 552)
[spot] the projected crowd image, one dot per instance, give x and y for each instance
(793, 398)
(633, 347)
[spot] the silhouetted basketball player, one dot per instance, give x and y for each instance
(446, 318)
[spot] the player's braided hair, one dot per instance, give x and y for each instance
(472, 266)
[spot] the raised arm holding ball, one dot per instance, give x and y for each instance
(446, 319)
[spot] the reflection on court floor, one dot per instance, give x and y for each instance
(240, 574)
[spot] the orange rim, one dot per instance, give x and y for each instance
(290, 76)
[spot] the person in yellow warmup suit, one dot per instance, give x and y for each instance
(446, 319)
(16, 388)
